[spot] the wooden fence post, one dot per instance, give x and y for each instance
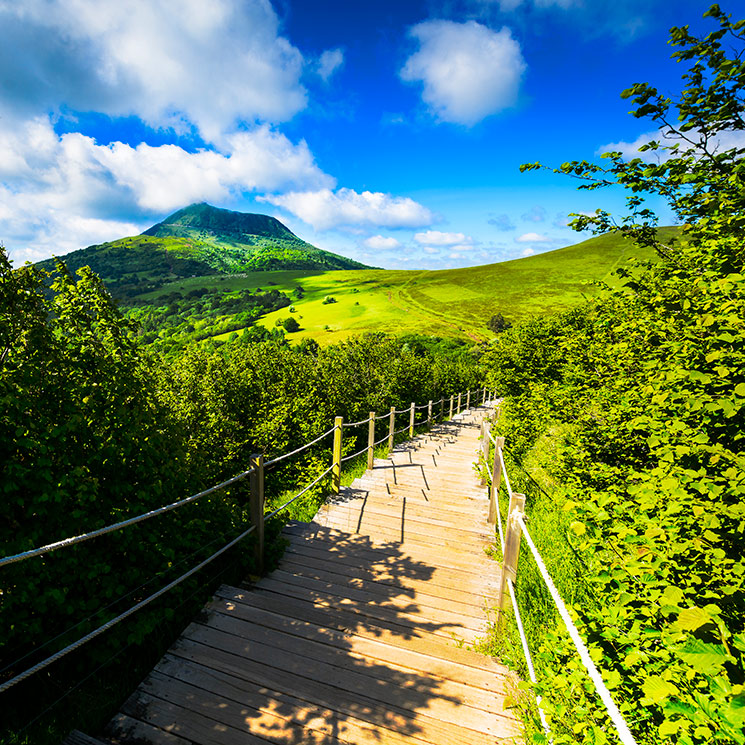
(451, 407)
(370, 441)
(256, 508)
(391, 428)
(511, 554)
(459, 403)
(429, 414)
(496, 480)
(442, 409)
(468, 400)
(411, 419)
(485, 427)
(336, 456)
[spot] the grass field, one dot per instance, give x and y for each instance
(451, 303)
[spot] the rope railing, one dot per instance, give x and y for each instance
(123, 524)
(279, 458)
(299, 494)
(624, 734)
(64, 543)
(354, 455)
(510, 538)
(258, 518)
(356, 424)
(114, 621)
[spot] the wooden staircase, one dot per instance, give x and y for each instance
(357, 636)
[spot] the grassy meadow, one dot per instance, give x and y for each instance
(450, 303)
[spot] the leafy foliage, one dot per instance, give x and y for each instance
(641, 398)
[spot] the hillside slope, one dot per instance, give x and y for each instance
(456, 303)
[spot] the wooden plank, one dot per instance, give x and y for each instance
(344, 544)
(79, 738)
(275, 706)
(423, 593)
(444, 583)
(389, 684)
(403, 708)
(390, 633)
(363, 598)
(372, 648)
(126, 730)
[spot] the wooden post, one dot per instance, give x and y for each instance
(429, 414)
(485, 448)
(370, 441)
(459, 403)
(336, 456)
(451, 407)
(497, 414)
(468, 400)
(496, 480)
(442, 409)
(411, 420)
(256, 508)
(391, 428)
(511, 555)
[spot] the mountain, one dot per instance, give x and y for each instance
(200, 240)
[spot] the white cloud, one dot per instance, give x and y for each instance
(468, 70)
(437, 238)
(329, 62)
(324, 209)
(527, 252)
(532, 238)
(721, 142)
(62, 192)
(173, 63)
(382, 243)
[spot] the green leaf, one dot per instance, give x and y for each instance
(657, 689)
(703, 657)
(693, 618)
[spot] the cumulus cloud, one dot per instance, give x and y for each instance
(532, 238)
(173, 63)
(324, 208)
(467, 70)
(382, 243)
(437, 238)
(44, 177)
(329, 62)
(527, 252)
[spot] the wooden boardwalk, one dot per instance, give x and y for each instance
(354, 638)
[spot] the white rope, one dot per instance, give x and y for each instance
(493, 439)
(299, 494)
(504, 471)
(300, 449)
(356, 424)
(624, 734)
(354, 455)
(105, 627)
(116, 526)
(380, 441)
(528, 656)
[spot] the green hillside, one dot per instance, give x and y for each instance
(201, 240)
(454, 303)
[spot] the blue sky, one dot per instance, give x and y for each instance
(391, 132)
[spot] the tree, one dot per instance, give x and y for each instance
(497, 323)
(639, 402)
(291, 325)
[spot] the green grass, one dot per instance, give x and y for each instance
(452, 302)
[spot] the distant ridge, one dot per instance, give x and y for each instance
(201, 240)
(203, 216)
